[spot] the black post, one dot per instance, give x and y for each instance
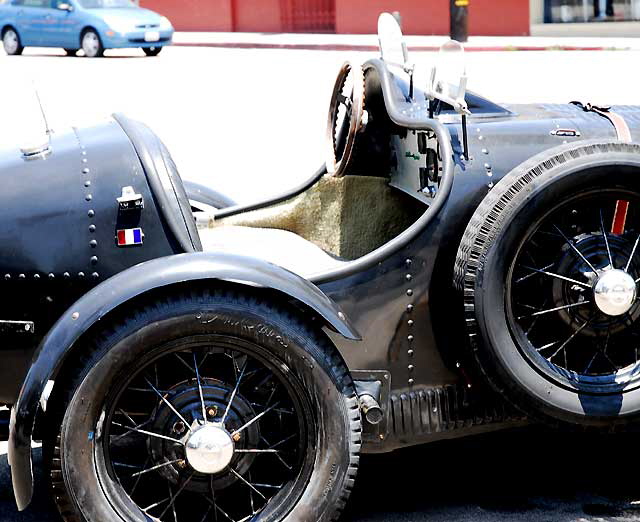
(459, 26)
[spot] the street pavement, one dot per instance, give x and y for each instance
(250, 123)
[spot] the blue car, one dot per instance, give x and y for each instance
(90, 25)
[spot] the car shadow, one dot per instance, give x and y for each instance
(520, 475)
(526, 474)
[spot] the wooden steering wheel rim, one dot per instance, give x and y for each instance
(337, 166)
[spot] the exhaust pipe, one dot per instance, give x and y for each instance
(369, 400)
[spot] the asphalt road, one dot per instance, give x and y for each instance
(251, 123)
(525, 475)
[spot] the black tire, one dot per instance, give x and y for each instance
(485, 270)
(71, 52)
(12, 42)
(85, 493)
(91, 44)
(152, 51)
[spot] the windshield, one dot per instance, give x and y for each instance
(96, 4)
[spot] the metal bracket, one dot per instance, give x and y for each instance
(130, 200)
(17, 327)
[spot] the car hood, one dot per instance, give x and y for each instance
(132, 15)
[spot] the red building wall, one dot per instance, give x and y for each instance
(261, 16)
(486, 17)
(195, 15)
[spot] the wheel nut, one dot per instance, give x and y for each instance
(179, 427)
(236, 437)
(182, 463)
(212, 411)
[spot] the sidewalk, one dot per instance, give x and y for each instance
(341, 42)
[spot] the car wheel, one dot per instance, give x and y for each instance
(11, 42)
(549, 265)
(91, 44)
(71, 52)
(207, 406)
(152, 51)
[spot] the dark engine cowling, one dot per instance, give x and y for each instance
(61, 213)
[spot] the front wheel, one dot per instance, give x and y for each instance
(92, 45)
(207, 407)
(152, 51)
(11, 43)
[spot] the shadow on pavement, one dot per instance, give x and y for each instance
(521, 475)
(527, 474)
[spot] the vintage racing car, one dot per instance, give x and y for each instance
(456, 266)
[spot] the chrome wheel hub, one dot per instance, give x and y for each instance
(209, 449)
(10, 41)
(614, 292)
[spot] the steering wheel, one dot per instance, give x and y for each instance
(345, 118)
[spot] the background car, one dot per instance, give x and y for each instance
(90, 25)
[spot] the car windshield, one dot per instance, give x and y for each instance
(97, 4)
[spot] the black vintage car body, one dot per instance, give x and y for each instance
(384, 306)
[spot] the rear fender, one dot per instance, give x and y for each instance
(120, 289)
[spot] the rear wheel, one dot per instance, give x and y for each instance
(205, 407)
(550, 264)
(152, 51)
(91, 44)
(11, 42)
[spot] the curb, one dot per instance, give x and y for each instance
(374, 48)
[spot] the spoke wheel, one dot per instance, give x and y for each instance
(549, 264)
(209, 425)
(204, 406)
(571, 298)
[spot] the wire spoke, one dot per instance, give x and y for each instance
(633, 251)
(256, 418)
(164, 464)
(564, 344)
(174, 497)
(523, 278)
(247, 483)
(558, 276)
(186, 364)
(204, 406)
(234, 392)
(557, 308)
(575, 249)
(606, 240)
(171, 407)
(148, 433)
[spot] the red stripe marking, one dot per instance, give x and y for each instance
(122, 240)
(620, 217)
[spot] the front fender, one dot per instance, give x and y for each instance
(123, 287)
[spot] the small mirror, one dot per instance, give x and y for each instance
(392, 45)
(449, 77)
(64, 6)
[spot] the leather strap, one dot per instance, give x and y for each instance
(618, 122)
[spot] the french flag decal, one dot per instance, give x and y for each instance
(129, 237)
